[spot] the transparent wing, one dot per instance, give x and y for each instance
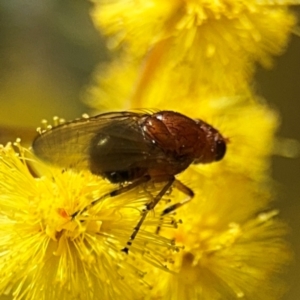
(113, 140)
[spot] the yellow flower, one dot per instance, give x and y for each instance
(208, 48)
(45, 253)
(226, 260)
(229, 249)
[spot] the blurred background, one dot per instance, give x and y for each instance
(48, 51)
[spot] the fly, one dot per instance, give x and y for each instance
(131, 148)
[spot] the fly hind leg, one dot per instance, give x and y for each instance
(184, 189)
(151, 205)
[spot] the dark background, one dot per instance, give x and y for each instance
(48, 50)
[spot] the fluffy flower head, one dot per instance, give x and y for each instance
(46, 253)
(192, 39)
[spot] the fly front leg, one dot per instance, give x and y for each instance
(115, 193)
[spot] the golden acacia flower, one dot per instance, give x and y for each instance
(230, 246)
(208, 48)
(226, 260)
(45, 253)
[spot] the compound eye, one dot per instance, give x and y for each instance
(220, 149)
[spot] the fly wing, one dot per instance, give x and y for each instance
(113, 141)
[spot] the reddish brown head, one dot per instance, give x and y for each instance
(214, 148)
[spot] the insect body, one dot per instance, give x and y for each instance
(133, 148)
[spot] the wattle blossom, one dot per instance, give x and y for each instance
(206, 49)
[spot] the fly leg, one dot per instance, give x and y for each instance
(114, 193)
(184, 189)
(149, 207)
